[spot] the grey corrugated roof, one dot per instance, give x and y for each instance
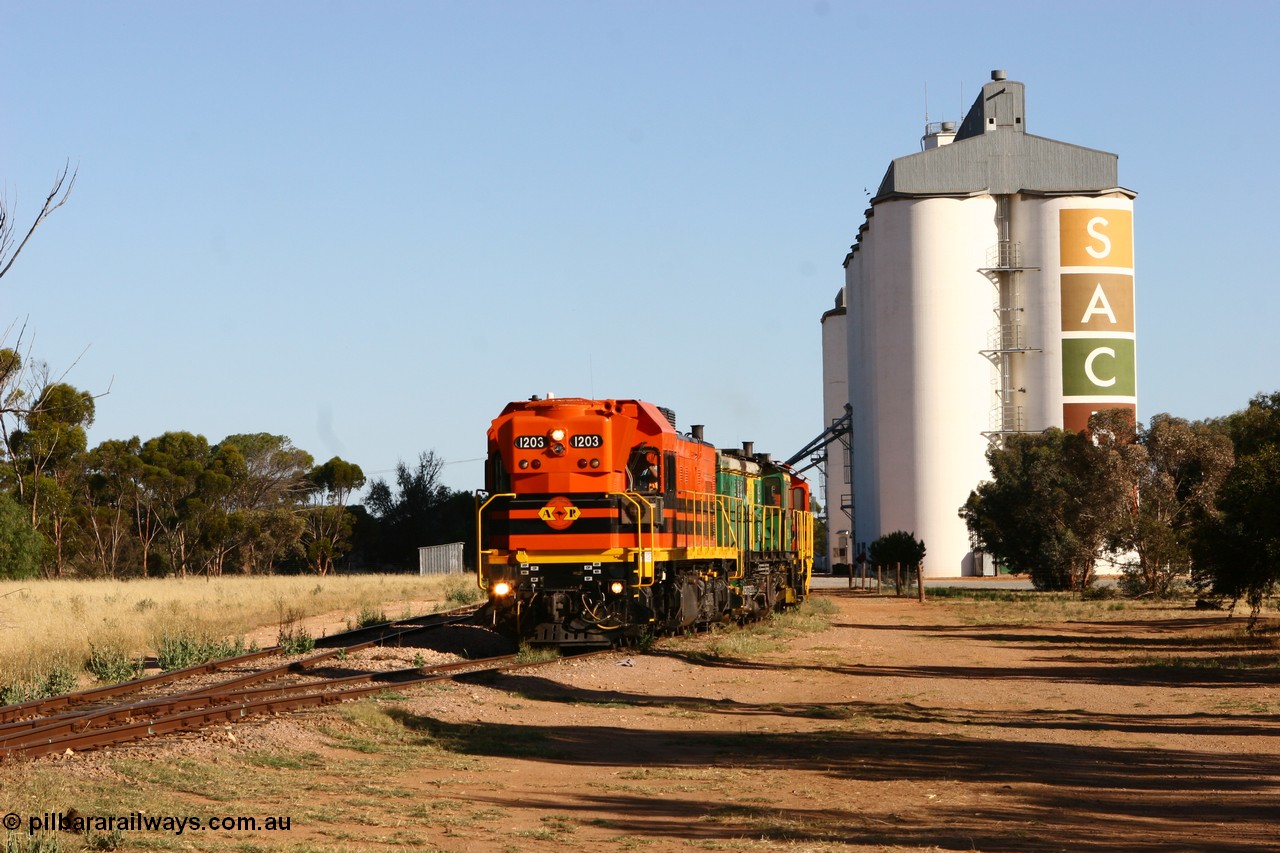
(993, 154)
(1001, 162)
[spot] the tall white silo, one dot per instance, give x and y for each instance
(956, 290)
(837, 498)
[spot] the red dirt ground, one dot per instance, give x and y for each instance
(902, 727)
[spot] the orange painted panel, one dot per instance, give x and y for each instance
(1096, 237)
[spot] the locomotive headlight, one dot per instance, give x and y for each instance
(557, 435)
(557, 449)
(524, 463)
(595, 463)
(616, 587)
(501, 588)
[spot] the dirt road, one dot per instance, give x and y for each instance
(900, 727)
(952, 725)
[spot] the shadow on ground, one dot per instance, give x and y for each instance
(991, 792)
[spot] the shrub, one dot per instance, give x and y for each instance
(56, 681)
(111, 664)
(536, 654)
(461, 590)
(59, 680)
(292, 638)
(370, 615)
(182, 648)
(898, 548)
(21, 545)
(295, 640)
(820, 606)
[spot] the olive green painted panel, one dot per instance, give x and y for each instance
(1098, 367)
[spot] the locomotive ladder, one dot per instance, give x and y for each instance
(644, 556)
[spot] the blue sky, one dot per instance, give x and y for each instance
(367, 226)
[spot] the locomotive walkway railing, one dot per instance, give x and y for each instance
(644, 556)
(718, 523)
(727, 522)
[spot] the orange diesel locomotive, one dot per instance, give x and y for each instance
(600, 523)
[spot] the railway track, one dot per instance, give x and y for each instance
(106, 716)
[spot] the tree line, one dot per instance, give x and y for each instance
(176, 504)
(1171, 500)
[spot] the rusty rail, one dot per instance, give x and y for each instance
(199, 709)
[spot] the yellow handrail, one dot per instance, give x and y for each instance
(640, 503)
(703, 506)
(732, 509)
(482, 579)
(749, 527)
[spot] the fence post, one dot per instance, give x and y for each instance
(920, 579)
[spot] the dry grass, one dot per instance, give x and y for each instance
(768, 635)
(48, 626)
(1027, 607)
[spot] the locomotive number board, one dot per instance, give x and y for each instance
(578, 442)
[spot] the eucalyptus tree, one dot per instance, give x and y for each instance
(1172, 470)
(270, 499)
(172, 467)
(1237, 550)
(1051, 502)
(48, 454)
(110, 507)
(215, 510)
(327, 534)
(12, 392)
(21, 545)
(234, 505)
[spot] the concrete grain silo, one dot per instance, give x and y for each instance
(837, 498)
(990, 291)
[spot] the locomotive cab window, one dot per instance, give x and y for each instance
(642, 470)
(500, 479)
(671, 472)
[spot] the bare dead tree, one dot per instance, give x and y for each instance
(62, 186)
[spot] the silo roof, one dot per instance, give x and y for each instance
(1001, 162)
(992, 154)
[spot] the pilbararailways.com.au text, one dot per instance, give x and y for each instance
(140, 822)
